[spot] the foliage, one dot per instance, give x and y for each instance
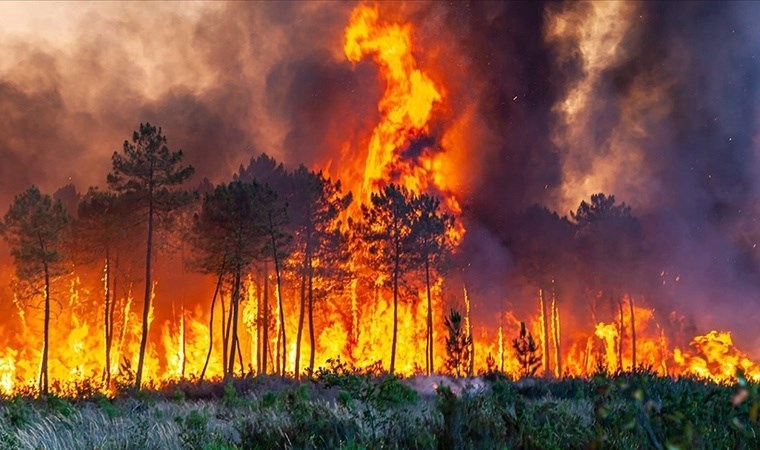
(385, 230)
(148, 175)
(34, 229)
(527, 352)
(458, 344)
(626, 411)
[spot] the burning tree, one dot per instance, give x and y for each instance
(385, 229)
(228, 235)
(315, 208)
(148, 174)
(542, 242)
(458, 345)
(527, 352)
(101, 232)
(275, 219)
(265, 170)
(609, 242)
(430, 246)
(34, 229)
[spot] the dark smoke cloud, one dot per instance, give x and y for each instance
(208, 78)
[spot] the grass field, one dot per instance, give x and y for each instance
(338, 409)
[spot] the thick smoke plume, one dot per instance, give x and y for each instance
(545, 103)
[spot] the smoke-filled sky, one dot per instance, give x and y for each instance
(544, 103)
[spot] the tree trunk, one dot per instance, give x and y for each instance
(183, 347)
(148, 286)
(225, 332)
(429, 345)
(556, 333)
(265, 325)
(544, 331)
(232, 327)
(620, 336)
(470, 340)
(300, 323)
(110, 319)
(395, 311)
(633, 335)
(106, 325)
(46, 337)
(259, 335)
(211, 324)
(312, 338)
(276, 259)
(240, 358)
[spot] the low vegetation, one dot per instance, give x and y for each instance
(341, 407)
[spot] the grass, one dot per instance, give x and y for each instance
(352, 410)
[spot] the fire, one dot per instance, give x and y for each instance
(356, 325)
(406, 106)
(716, 358)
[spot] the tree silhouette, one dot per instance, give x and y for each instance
(431, 247)
(385, 229)
(610, 247)
(315, 208)
(265, 170)
(276, 217)
(34, 227)
(149, 175)
(228, 235)
(527, 352)
(458, 344)
(101, 231)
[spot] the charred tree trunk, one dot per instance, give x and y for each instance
(148, 282)
(46, 332)
(240, 358)
(259, 318)
(232, 327)
(633, 335)
(211, 323)
(225, 331)
(276, 258)
(265, 325)
(429, 345)
(312, 337)
(301, 314)
(620, 336)
(111, 310)
(395, 309)
(183, 347)
(468, 330)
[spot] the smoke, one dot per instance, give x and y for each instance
(225, 81)
(543, 103)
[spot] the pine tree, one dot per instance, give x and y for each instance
(101, 231)
(315, 208)
(527, 352)
(385, 229)
(34, 228)
(149, 175)
(458, 344)
(228, 235)
(431, 247)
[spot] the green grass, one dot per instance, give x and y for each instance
(353, 410)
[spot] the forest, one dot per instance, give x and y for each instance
(433, 225)
(303, 274)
